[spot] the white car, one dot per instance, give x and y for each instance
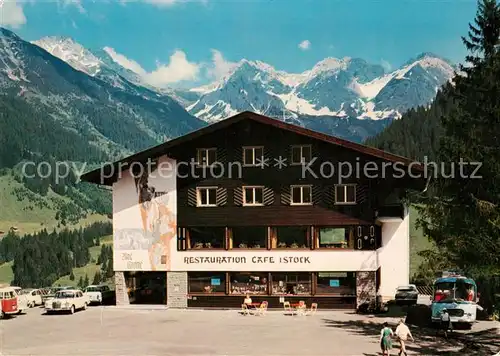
(34, 297)
(97, 294)
(22, 300)
(68, 300)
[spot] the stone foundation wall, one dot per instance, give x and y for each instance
(177, 290)
(365, 287)
(121, 289)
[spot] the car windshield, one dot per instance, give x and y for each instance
(93, 289)
(64, 294)
(406, 289)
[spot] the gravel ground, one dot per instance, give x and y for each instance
(113, 331)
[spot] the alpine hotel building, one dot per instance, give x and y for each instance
(251, 205)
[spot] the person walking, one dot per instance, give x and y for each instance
(446, 322)
(385, 339)
(403, 332)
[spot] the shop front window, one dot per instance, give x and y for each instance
(333, 237)
(292, 237)
(207, 282)
(248, 283)
(340, 283)
(291, 283)
(206, 237)
(249, 237)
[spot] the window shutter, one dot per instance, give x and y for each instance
(238, 196)
(192, 198)
(361, 193)
(221, 198)
(286, 197)
(268, 196)
(317, 193)
(222, 155)
(329, 195)
(238, 154)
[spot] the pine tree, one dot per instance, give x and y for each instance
(484, 34)
(80, 283)
(71, 276)
(86, 281)
(463, 214)
(97, 278)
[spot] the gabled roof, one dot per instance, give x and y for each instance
(157, 151)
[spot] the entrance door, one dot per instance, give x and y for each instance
(147, 287)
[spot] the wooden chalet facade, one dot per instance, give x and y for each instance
(255, 188)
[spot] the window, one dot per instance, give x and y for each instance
(292, 237)
(341, 283)
(206, 156)
(331, 237)
(345, 194)
(248, 283)
(301, 195)
(206, 196)
(206, 237)
(253, 196)
(207, 282)
(253, 156)
(291, 283)
(249, 237)
(301, 154)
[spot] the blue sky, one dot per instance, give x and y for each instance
(210, 35)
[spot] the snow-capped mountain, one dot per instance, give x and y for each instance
(100, 64)
(112, 118)
(347, 97)
(337, 88)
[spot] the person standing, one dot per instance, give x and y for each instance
(403, 332)
(385, 339)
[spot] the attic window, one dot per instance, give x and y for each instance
(206, 156)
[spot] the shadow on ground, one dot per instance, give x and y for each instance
(428, 341)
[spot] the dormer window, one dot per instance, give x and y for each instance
(206, 156)
(253, 156)
(345, 194)
(301, 154)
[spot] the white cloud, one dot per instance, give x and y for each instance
(178, 69)
(11, 14)
(386, 65)
(124, 61)
(75, 3)
(219, 67)
(305, 45)
(162, 3)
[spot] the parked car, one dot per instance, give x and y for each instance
(9, 302)
(34, 297)
(406, 295)
(22, 300)
(52, 292)
(68, 300)
(98, 293)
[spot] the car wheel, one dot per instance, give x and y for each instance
(72, 310)
(84, 306)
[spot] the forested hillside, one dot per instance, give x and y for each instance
(39, 259)
(417, 134)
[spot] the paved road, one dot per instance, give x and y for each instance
(113, 331)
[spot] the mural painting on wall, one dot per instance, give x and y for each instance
(155, 200)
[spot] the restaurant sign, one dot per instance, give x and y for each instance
(268, 261)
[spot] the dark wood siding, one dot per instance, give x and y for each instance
(370, 192)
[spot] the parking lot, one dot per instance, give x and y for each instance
(114, 331)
